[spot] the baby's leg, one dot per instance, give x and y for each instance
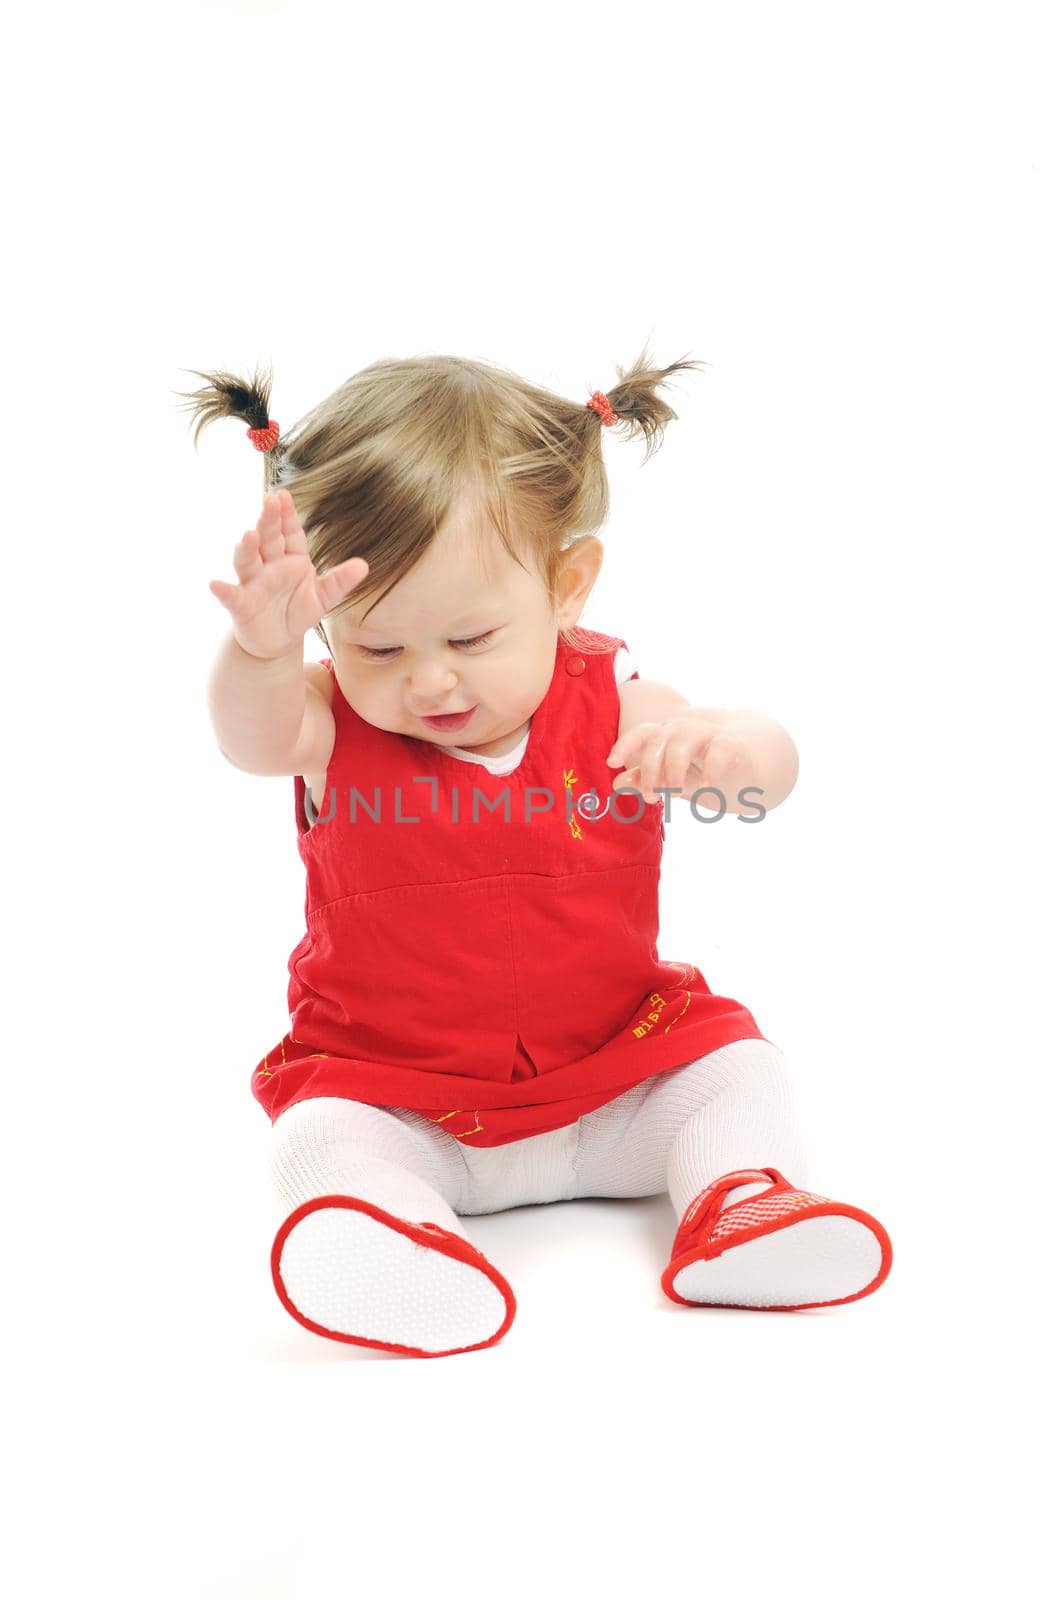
(370, 1249)
(723, 1136)
(730, 1109)
(737, 1110)
(338, 1146)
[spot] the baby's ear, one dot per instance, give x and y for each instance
(582, 564)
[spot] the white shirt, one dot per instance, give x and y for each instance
(512, 759)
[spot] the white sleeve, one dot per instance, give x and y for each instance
(625, 667)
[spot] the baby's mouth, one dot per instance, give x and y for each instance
(450, 720)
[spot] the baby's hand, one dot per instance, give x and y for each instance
(683, 752)
(280, 595)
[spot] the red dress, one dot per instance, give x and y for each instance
(483, 948)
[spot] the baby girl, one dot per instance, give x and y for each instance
(479, 1015)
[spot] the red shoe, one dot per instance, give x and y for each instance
(780, 1250)
(348, 1270)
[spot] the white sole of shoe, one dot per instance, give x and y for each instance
(357, 1278)
(809, 1262)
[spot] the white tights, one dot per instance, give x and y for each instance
(676, 1132)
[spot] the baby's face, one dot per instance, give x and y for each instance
(467, 629)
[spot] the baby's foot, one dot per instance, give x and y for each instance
(349, 1270)
(780, 1250)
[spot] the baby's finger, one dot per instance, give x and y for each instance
(629, 744)
(681, 754)
(719, 760)
(227, 593)
(652, 757)
(339, 581)
(246, 558)
(291, 527)
(271, 539)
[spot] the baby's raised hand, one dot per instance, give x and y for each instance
(683, 752)
(280, 595)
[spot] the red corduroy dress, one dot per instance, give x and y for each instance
(480, 948)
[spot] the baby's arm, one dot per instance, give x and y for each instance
(663, 742)
(268, 715)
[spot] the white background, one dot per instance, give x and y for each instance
(852, 215)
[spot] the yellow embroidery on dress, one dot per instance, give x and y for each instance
(657, 1003)
(676, 1019)
(652, 1017)
(315, 1055)
(570, 783)
(479, 1128)
(266, 1071)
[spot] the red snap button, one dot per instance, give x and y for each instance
(576, 665)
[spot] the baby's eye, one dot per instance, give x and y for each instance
(386, 653)
(479, 639)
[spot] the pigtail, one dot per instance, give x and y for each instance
(375, 468)
(227, 395)
(637, 406)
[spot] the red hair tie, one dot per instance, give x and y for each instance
(265, 438)
(600, 403)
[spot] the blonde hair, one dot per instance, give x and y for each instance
(374, 469)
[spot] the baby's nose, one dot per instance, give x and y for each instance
(429, 680)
